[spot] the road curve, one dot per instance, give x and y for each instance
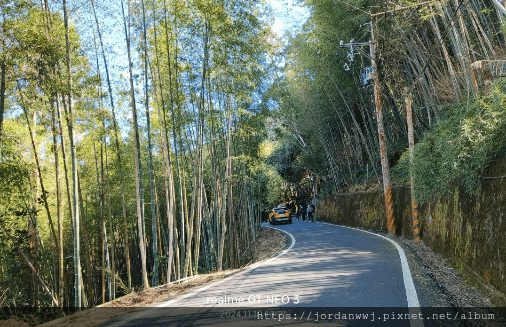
(324, 266)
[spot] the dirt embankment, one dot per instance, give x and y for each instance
(269, 242)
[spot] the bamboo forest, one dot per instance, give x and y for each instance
(145, 141)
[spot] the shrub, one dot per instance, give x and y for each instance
(460, 148)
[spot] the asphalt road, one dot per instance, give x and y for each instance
(324, 266)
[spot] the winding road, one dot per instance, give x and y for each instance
(324, 266)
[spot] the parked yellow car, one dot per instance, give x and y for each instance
(280, 214)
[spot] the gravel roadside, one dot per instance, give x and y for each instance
(443, 289)
(438, 283)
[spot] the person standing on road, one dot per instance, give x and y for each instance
(297, 212)
(309, 212)
(303, 212)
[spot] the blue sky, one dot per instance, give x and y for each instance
(289, 15)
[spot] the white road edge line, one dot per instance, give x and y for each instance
(165, 304)
(411, 295)
(254, 266)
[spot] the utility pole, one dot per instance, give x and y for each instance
(387, 184)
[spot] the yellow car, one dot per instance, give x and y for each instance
(280, 214)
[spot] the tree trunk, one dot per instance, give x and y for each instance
(139, 191)
(2, 99)
(118, 153)
(32, 222)
(456, 88)
(465, 45)
(39, 174)
(168, 174)
(77, 250)
(151, 173)
(112, 238)
(67, 183)
(59, 212)
(411, 141)
(90, 290)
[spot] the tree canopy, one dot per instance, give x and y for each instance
(204, 105)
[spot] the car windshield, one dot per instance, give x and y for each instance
(280, 210)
